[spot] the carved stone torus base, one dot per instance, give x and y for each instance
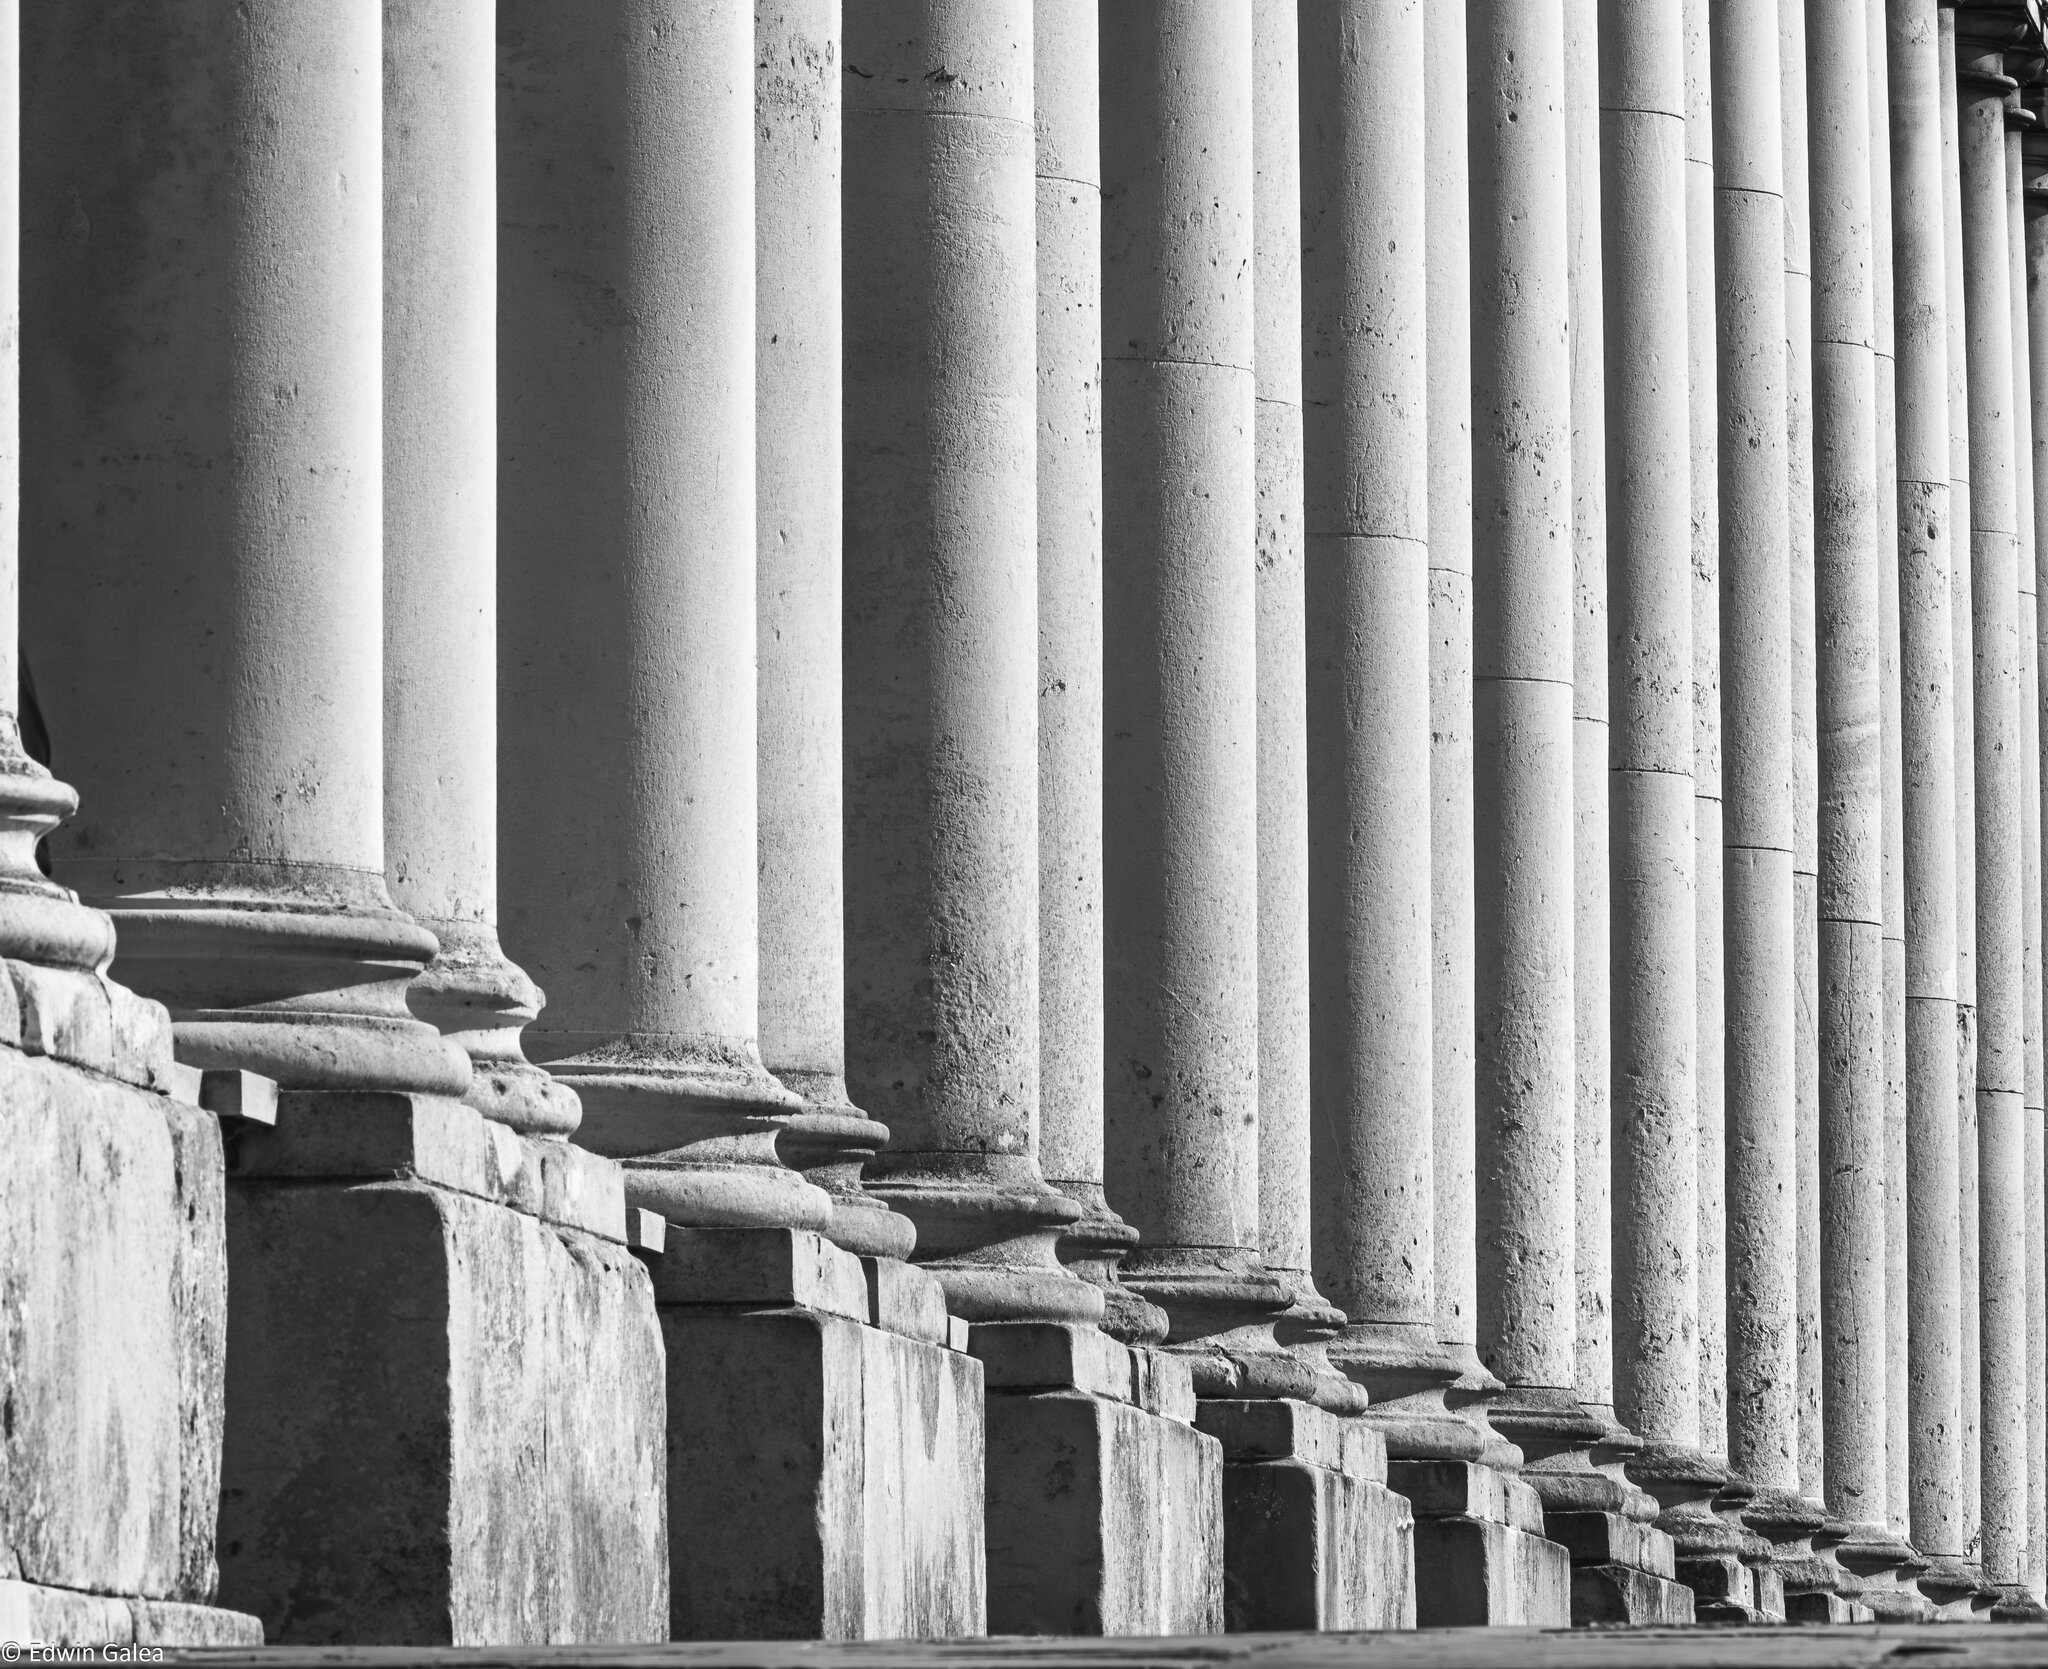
(825, 1443)
(1482, 1556)
(113, 1312)
(445, 1410)
(1105, 1505)
(1312, 1536)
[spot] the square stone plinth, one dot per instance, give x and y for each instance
(1622, 1571)
(113, 1317)
(1105, 1505)
(825, 1444)
(1481, 1555)
(1312, 1536)
(446, 1409)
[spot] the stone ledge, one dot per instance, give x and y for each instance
(1465, 1489)
(1611, 1539)
(67, 1617)
(1025, 1357)
(348, 1136)
(1284, 1429)
(88, 1021)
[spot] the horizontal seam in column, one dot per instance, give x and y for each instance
(1753, 846)
(1269, 400)
(1837, 342)
(1677, 116)
(1162, 359)
(1516, 678)
(1925, 481)
(1646, 771)
(1852, 921)
(1030, 127)
(1389, 538)
(1749, 191)
(1069, 179)
(1929, 997)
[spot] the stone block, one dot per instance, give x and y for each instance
(1479, 1572)
(66, 1617)
(1103, 1519)
(1306, 1545)
(445, 1422)
(1611, 1539)
(904, 1299)
(580, 1189)
(66, 1014)
(1613, 1544)
(826, 1479)
(1620, 1594)
(345, 1136)
(778, 1268)
(1052, 1356)
(113, 1286)
(1164, 1384)
(1816, 1606)
(1463, 1489)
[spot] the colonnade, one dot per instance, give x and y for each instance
(1283, 753)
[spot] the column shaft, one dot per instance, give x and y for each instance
(798, 490)
(1068, 109)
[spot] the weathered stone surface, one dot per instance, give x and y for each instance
(825, 1476)
(1102, 1519)
(760, 1266)
(1621, 1594)
(1477, 1570)
(444, 1422)
(112, 1293)
(903, 1299)
(1047, 1356)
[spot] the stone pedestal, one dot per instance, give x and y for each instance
(1312, 1536)
(115, 1283)
(444, 1384)
(1105, 1505)
(1622, 1571)
(825, 1443)
(1481, 1554)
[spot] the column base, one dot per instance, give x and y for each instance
(1105, 1505)
(115, 1317)
(445, 1410)
(1312, 1536)
(1955, 1587)
(1883, 1572)
(1817, 1606)
(68, 1617)
(824, 1403)
(1623, 1571)
(1482, 1556)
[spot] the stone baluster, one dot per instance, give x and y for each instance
(441, 547)
(628, 827)
(797, 545)
(1758, 815)
(2000, 983)
(1365, 387)
(1928, 778)
(1848, 612)
(1286, 1187)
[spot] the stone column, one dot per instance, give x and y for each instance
(1805, 758)
(1848, 613)
(1962, 612)
(1523, 625)
(1702, 384)
(1070, 652)
(1891, 781)
(941, 625)
(1594, 1376)
(1286, 1186)
(1656, 1181)
(1927, 814)
(2001, 993)
(628, 815)
(1758, 815)
(1181, 686)
(2034, 153)
(798, 491)
(1448, 349)
(1365, 386)
(233, 799)
(441, 547)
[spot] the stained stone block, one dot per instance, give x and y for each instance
(825, 1467)
(1312, 1536)
(1481, 1555)
(445, 1414)
(113, 1280)
(1622, 1571)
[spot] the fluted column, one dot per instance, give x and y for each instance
(1365, 389)
(1592, 1140)
(941, 643)
(1962, 621)
(201, 514)
(1070, 1064)
(441, 546)
(1921, 305)
(1286, 1183)
(2001, 993)
(1710, 973)
(1181, 704)
(1523, 625)
(627, 566)
(1656, 1180)
(1891, 780)
(798, 489)
(1756, 709)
